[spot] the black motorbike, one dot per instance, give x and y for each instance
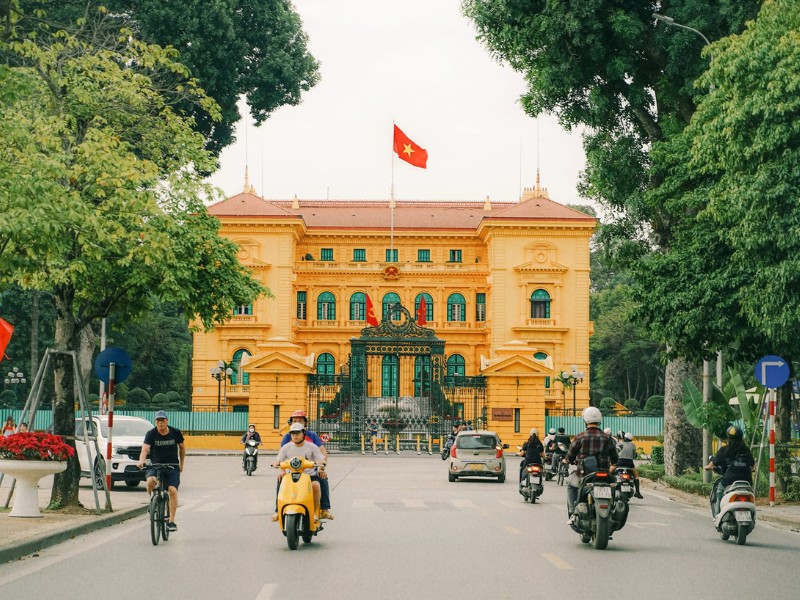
(599, 511)
(531, 485)
(625, 483)
(447, 445)
(250, 457)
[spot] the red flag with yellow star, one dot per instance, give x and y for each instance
(372, 320)
(6, 330)
(408, 150)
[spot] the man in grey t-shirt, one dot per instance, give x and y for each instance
(304, 449)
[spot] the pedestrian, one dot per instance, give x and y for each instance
(23, 427)
(9, 427)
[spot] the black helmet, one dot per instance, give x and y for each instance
(561, 430)
(734, 432)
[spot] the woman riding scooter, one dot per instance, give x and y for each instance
(250, 434)
(734, 461)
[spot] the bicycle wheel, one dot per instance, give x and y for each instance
(560, 477)
(164, 516)
(155, 519)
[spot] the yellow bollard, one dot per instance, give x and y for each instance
(386, 444)
(430, 445)
(374, 444)
(417, 443)
(362, 443)
(397, 443)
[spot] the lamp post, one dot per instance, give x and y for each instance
(15, 377)
(221, 373)
(670, 21)
(570, 380)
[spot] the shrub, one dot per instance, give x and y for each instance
(8, 399)
(632, 404)
(158, 400)
(608, 402)
(657, 455)
(138, 398)
(655, 405)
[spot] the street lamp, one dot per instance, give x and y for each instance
(15, 377)
(221, 373)
(670, 21)
(570, 380)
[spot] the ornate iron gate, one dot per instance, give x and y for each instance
(394, 387)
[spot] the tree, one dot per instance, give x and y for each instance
(605, 65)
(234, 48)
(102, 196)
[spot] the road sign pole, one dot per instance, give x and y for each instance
(772, 394)
(112, 372)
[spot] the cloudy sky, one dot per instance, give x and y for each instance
(416, 63)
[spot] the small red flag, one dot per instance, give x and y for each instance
(372, 320)
(6, 329)
(408, 150)
(422, 311)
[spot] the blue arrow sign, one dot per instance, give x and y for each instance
(772, 371)
(121, 360)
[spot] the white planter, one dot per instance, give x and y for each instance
(27, 474)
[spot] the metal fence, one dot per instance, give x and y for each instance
(639, 426)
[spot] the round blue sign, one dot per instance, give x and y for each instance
(772, 371)
(121, 360)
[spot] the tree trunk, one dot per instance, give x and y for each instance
(682, 442)
(34, 336)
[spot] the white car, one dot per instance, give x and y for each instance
(128, 436)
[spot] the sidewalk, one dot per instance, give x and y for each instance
(20, 537)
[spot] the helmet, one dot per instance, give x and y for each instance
(620, 434)
(552, 430)
(734, 432)
(607, 430)
(592, 414)
(629, 437)
(296, 427)
(534, 431)
(561, 430)
(299, 413)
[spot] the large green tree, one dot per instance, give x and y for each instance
(608, 65)
(102, 196)
(234, 48)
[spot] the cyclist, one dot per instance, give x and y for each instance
(299, 416)
(165, 446)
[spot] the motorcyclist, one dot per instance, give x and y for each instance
(299, 416)
(558, 454)
(735, 461)
(593, 441)
(548, 440)
(251, 434)
(627, 452)
(301, 447)
(532, 451)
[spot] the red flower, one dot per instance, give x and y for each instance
(34, 446)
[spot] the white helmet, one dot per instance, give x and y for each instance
(629, 436)
(534, 431)
(552, 430)
(592, 414)
(607, 430)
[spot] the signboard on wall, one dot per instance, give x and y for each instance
(502, 414)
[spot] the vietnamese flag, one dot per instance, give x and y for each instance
(422, 311)
(408, 150)
(372, 320)
(6, 329)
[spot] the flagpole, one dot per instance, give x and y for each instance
(391, 200)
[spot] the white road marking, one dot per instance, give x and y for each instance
(414, 503)
(268, 591)
(513, 504)
(364, 503)
(462, 503)
(642, 524)
(513, 530)
(559, 563)
(658, 511)
(210, 507)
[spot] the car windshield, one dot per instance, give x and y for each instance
(132, 428)
(477, 442)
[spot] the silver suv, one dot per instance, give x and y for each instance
(477, 454)
(127, 441)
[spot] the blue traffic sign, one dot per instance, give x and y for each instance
(772, 371)
(121, 360)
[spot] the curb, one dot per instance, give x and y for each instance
(46, 540)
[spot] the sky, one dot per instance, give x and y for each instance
(415, 63)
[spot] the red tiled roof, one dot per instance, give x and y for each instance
(411, 215)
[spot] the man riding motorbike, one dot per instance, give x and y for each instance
(627, 452)
(558, 454)
(590, 442)
(251, 434)
(734, 461)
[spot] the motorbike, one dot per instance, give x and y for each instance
(531, 485)
(297, 516)
(737, 510)
(447, 445)
(250, 457)
(625, 485)
(599, 512)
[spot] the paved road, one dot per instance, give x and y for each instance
(403, 531)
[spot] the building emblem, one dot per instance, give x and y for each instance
(391, 273)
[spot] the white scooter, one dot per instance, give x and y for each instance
(737, 510)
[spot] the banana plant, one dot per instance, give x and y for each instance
(715, 415)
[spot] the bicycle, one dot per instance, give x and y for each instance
(563, 472)
(159, 504)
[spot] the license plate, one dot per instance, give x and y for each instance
(602, 492)
(474, 467)
(626, 487)
(743, 516)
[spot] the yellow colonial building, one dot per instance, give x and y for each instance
(478, 306)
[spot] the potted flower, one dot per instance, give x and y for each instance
(27, 457)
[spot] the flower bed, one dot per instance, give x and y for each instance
(34, 446)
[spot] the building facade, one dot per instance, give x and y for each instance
(478, 305)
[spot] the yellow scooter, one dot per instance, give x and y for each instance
(297, 516)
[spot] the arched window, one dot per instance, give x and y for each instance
(540, 356)
(326, 307)
(540, 305)
(358, 307)
(326, 367)
(422, 376)
(456, 365)
(390, 375)
(236, 365)
(388, 300)
(428, 306)
(456, 308)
